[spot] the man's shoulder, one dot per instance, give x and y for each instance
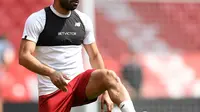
(37, 16)
(79, 12)
(82, 15)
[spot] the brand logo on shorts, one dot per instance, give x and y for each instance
(66, 33)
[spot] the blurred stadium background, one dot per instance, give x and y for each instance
(153, 45)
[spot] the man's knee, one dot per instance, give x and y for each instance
(109, 78)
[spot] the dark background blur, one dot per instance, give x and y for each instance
(152, 45)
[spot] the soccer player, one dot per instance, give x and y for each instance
(51, 47)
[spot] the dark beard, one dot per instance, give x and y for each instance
(65, 4)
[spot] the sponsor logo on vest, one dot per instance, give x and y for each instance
(66, 33)
(78, 24)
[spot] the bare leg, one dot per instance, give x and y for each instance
(102, 80)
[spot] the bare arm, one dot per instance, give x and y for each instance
(1, 105)
(32, 29)
(27, 59)
(95, 57)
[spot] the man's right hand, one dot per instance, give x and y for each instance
(58, 79)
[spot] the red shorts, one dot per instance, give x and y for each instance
(60, 101)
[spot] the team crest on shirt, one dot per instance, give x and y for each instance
(77, 24)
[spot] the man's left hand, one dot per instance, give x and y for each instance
(105, 99)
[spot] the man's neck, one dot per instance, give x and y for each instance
(60, 10)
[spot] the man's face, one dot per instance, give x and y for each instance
(69, 4)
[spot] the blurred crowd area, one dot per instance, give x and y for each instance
(153, 47)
